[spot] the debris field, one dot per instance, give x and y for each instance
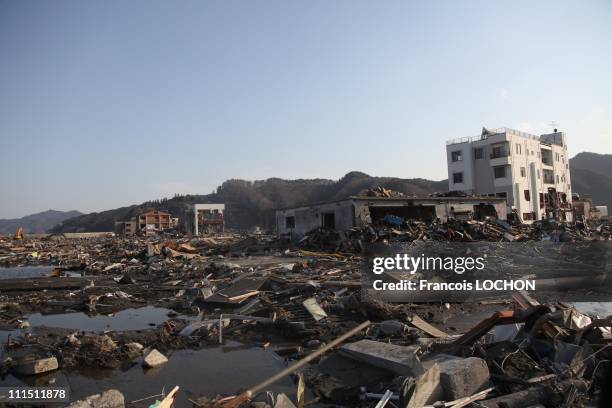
(303, 301)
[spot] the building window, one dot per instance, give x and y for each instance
(290, 222)
(538, 173)
(499, 171)
(329, 220)
(457, 178)
(498, 151)
(523, 172)
(557, 177)
(527, 195)
(478, 154)
(518, 148)
(457, 156)
(527, 216)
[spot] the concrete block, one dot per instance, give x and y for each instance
(460, 377)
(402, 360)
(283, 401)
(33, 366)
(154, 359)
(108, 399)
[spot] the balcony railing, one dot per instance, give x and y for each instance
(497, 155)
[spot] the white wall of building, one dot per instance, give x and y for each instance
(520, 156)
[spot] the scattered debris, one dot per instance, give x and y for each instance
(154, 359)
(30, 365)
(297, 299)
(108, 399)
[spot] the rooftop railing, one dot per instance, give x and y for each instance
(498, 131)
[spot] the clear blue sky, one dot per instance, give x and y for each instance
(111, 103)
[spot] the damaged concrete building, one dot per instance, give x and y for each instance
(357, 211)
(146, 223)
(531, 172)
(584, 209)
(205, 218)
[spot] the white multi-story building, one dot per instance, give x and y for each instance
(531, 172)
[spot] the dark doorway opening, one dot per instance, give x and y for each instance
(481, 211)
(329, 220)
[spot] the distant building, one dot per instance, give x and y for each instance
(146, 223)
(359, 211)
(602, 211)
(530, 172)
(126, 228)
(155, 221)
(583, 208)
(205, 218)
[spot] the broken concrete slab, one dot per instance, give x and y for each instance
(34, 366)
(340, 378)
(402, 360)
(283, 401)
(314, 309)
(460, 377)
(108, 399)
(154, 359)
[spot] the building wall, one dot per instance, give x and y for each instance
(602, 210)
(125, 228)
(310, 217)
(152, 222)
(355, 212)
(582, 208)
(463, 166)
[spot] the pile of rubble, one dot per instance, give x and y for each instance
(398, 229)
(381, 192)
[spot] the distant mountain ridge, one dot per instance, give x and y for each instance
(251, 203)
(591, 175)
(36, 223)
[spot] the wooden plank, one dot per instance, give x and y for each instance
(169, 400)
(42, 283)
(416, 321)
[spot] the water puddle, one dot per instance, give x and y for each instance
(601, 309)
(225, 369)
(129, 319)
